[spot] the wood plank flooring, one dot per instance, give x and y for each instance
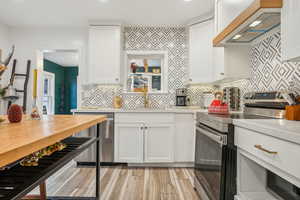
(125, 183)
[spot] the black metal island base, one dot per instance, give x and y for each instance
(17, 181)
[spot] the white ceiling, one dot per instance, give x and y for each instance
(41, 13)
(63, 58)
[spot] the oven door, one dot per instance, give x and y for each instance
(209, 165)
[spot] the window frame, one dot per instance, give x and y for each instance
(148, 54)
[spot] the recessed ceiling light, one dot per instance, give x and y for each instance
(103, 1)
(237, 37)
(255, 23)
(188, 0)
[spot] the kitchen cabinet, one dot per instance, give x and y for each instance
(105, 54)
(159, 142)
(129, 140)
(144, 137)
(227, 10)
(231, 63)
(290, 29)
(185, 137)
(201, 52)
(259, 152)
(144, 143)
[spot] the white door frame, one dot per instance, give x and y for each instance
(52, 90)
(40, 67)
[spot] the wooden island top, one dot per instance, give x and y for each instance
(21, 139)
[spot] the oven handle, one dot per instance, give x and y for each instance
(219, 138)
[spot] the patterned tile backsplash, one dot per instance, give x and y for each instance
(174, 40)
(268, 72)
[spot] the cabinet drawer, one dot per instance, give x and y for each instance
(147, 118)
(287, 154)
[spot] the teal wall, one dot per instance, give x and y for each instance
(65, 86)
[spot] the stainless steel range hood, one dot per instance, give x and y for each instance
(260, 17)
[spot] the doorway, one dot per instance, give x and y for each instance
(48, 93)
(60, 72)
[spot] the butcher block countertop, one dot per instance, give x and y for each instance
(24, 138)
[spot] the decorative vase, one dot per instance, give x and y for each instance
(15, 113)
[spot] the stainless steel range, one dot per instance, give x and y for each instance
(215, 157)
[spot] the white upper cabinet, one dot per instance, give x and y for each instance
(201, 52)
(290, 30)
(231, 63)
(105, 54)
(227, 10)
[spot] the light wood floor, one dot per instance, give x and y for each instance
(123, 183)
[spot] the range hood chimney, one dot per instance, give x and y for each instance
(260, 17)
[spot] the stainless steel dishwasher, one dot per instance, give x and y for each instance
(106, 142)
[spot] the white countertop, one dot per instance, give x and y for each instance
(191, 109)
(279, 128)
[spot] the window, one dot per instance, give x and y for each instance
(146, 71)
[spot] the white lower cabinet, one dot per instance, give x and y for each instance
(154, 138)
(259, 152)
(159, 143)
(129, 141)
(185, 137)
(141, 143)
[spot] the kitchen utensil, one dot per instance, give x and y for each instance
(232, 98)
(292, 112)
(289, 97)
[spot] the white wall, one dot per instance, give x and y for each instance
(30, 42)
(4, 37)
(4, 40)
(4, 45)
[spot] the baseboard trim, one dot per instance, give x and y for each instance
(188, 165)
(93, 164)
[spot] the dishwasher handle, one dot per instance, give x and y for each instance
(217, 137)
(108, 123)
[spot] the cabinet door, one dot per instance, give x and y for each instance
(290, 29)
(104, 54)
(229, 10)
(159, 143)
(218, 17)
(218, 64)
(185, 138)
(201, 52)
(129, 143)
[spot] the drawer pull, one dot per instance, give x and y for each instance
(265, 150)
